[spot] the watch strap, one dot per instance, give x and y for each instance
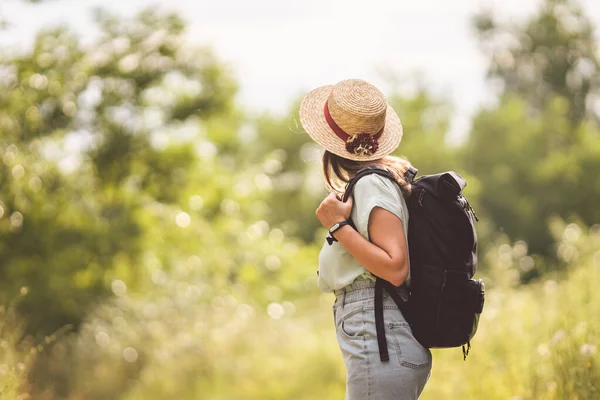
(333, 229)
(337, 226)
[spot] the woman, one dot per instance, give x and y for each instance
(353, 123)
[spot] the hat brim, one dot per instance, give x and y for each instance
(314, 123)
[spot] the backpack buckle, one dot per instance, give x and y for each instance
(410, 174)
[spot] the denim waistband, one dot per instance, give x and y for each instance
(363, 289)
(356, 285)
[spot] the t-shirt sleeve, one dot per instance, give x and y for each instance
(375, 191)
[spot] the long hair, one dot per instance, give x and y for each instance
(337, 171)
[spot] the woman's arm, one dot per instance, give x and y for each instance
(386, 256)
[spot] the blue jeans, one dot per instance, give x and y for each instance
(404, 376)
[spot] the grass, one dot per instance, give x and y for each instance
(16, 354)
(535, 341)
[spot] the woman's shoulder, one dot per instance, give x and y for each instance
(376, 191)
(376, 184)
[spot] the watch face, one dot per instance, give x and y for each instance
(335, 226)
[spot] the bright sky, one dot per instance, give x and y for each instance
(280, 49)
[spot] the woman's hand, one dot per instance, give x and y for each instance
(332, 210)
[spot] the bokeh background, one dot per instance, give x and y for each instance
(157, 194)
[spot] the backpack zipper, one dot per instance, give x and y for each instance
(421, 197)
(475, 215)
(439, 306)
(470, 209)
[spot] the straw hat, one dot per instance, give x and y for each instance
(351, 119)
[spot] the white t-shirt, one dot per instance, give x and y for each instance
(337, 267)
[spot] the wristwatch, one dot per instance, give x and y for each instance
(337, 226)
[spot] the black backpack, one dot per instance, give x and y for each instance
(444, 301)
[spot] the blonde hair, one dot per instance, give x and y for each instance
(337, 171)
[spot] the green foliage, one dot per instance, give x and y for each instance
(182, 337)
(17, 352)
(425, 121)
(535, 153)
(173, 236)
(90, 137)
(291, 162)
(13, 372)
(533, 170)
(552, 54)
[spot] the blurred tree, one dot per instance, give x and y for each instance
(527, 174)
(425, 123)
(537, 151)
(554, 53)
(90, 137)
(292, 161)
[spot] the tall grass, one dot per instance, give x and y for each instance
(16, 353)
(535, 341)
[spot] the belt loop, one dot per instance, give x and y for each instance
(344, 298)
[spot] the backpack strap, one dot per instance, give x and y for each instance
(410, 174)
(364, 172)
(381, 284)
(350, 186)
(379, 326)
